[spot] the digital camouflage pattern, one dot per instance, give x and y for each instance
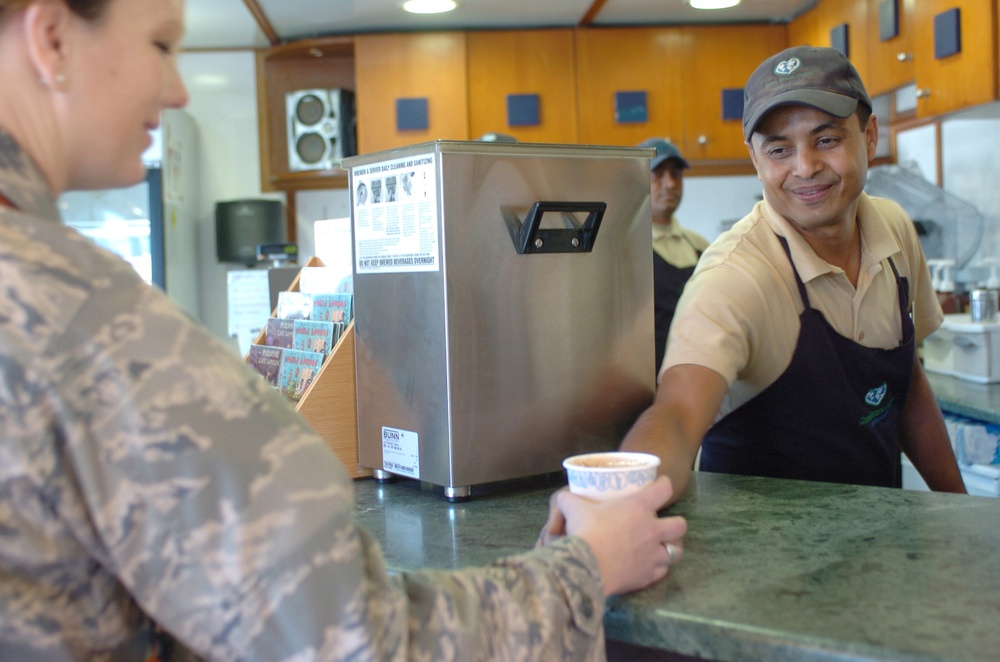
(146, 475)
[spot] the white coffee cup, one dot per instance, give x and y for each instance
(609, 474)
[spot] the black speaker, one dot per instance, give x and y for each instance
(321, 128)
(242, 225)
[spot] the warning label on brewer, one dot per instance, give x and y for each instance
(401, 452)
(396, 215)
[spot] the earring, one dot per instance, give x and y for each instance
(57, 81)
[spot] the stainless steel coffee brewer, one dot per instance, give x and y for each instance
(503, 307)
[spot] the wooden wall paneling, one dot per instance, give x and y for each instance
(805, 29)
(431, 65)
(813, 28)
(855, 14)
(968, 78)
(717, 58)
(523, 62)
(609, 60)
(890, 63)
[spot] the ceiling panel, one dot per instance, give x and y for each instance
(299, 18)
(652, 12)
(221, 24)
(229, 24)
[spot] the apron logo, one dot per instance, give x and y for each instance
(787, 66)
(874, 396)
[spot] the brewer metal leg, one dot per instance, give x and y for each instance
(458, 494)
(382, 476)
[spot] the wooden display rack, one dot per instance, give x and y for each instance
(330, 404)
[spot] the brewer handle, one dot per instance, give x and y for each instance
(530, 237)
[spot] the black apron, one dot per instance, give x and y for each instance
(832, 416)
(668, 283)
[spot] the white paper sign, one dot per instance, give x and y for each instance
(396, 215)
(249, 303)
(400, 452)
(333, 246)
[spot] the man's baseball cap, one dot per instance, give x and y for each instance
(664, 150)
(497, 138)
(821, 78)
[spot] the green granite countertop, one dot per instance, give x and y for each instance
(958, 396)
(773, 569)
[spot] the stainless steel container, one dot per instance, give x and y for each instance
(983, 305)
(503, 306)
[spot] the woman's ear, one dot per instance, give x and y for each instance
(46, 26)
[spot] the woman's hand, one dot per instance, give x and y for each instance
(555, 526)
(634, 547)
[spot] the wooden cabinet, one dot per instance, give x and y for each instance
(715, 59)
(967, 78)
(684, 71)
(427, 66)
(890, 61)
(610, 60)
(523, 62)
(310, 64)
(805, 30)
(816, 28)
(465, 79)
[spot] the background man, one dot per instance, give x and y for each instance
(675, 249)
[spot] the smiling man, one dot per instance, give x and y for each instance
(792, 352)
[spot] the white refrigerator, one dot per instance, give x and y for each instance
(153, 224)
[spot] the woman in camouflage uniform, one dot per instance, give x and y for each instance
(148, 479)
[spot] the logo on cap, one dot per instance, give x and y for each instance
(787, 66)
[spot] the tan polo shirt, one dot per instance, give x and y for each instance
(739, 313)
(677, 245)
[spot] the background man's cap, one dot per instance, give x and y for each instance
(664, 150)
(497, 138)
(821, 78)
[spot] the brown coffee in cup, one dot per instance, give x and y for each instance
(605, 461)
(609, 474)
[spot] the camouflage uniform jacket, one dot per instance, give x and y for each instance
(148, 476)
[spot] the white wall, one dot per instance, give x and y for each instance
(312, 206)
(971, 170)
(970, 166)
(223, 92)
(223, 103)
(712, 204)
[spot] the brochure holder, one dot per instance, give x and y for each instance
(330, 404)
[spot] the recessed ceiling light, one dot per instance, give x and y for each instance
(210, 80)
(428, 6)
(713, 4)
